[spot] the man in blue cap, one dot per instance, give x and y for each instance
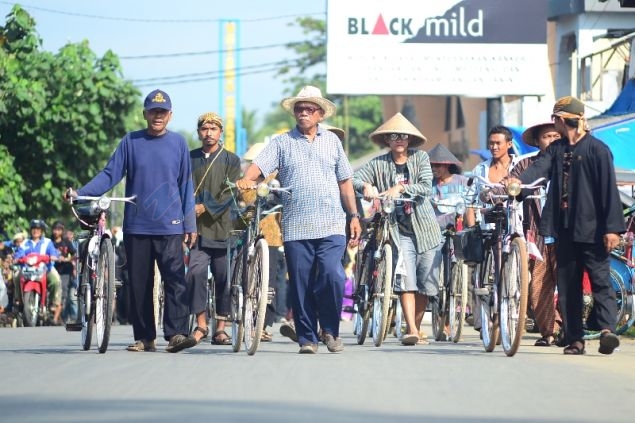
(156, 164)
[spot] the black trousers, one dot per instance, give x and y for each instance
(167, 250)
(572, 258)
(200, 259)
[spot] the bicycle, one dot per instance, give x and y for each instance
(622, 275)
(374, 295)
(450, 307)
(250, 292)
(503, 280)
(96, 291)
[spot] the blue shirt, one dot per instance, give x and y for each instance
(43, 247)
(158, 171)
(313, 171)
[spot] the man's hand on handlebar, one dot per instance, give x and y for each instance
(245, 183)
(69, 195)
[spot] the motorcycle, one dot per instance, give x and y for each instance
(34, 289)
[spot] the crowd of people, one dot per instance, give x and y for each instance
(183, 200)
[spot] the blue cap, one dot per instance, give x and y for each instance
(157, 99)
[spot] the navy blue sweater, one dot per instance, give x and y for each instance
(158, 171)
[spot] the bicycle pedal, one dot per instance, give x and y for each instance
(73, 327)
(481, 291)
(271, 294)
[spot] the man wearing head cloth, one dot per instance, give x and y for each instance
(405, 170)
(156, 165)
(311, 161)
(212, 165)
(583, 213)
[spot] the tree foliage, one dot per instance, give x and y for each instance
(363, 114)
(61, 117)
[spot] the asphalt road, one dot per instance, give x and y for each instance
(46, 377)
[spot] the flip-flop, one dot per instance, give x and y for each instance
(409, 339)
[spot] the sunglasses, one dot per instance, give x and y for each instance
(395, 137)
(310, 110)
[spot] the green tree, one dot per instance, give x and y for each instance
(61, 116)
(308, 68)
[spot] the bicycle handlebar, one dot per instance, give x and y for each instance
(487, 184)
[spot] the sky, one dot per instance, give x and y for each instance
(134, 28)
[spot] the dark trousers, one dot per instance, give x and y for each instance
(200, 259)
(316, 285)
(274, 257)
(572, 258)
(167, 250)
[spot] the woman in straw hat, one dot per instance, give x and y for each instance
(405, 170)
(311, 161)
(584, 213)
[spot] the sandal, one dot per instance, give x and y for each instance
(266, 336)
(204, 333)
(576, 348)
(545, 341)
(221, 338)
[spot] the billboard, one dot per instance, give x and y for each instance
(477, 48)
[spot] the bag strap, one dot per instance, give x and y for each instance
(207, 171)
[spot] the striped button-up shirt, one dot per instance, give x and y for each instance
(313, 170)
(382, 173)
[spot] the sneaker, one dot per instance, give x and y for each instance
(333, 344)
(180, 342)
(308, 349)
(289, 331)
(143, 346)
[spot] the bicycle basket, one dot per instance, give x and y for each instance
(496, 214)
(468, 245)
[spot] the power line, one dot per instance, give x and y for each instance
(199, 53)
(211, 73)
(209, 78)
(147, 20)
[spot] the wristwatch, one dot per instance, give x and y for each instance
(354, 215)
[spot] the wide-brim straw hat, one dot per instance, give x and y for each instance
(341, 134)
(529, 134)
(310, 94)
(400, 125)
(253, 151)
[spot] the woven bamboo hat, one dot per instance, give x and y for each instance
(310, 94)
(400, 125)
(530, 135)
(341, 134)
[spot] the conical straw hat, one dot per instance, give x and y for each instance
(398, 124)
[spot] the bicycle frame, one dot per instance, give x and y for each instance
(501, 294)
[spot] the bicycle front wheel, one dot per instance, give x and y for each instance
(487, 297)
(457, 300)
(237, 308)
(257, 296)
(439, 306)
(382, 295)
(84, 296)
(104, 294)
(514, 291)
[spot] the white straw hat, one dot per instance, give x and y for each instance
(310, 94)
(398, 124)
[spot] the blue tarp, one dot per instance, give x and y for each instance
(625, 102)
(620, 137)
